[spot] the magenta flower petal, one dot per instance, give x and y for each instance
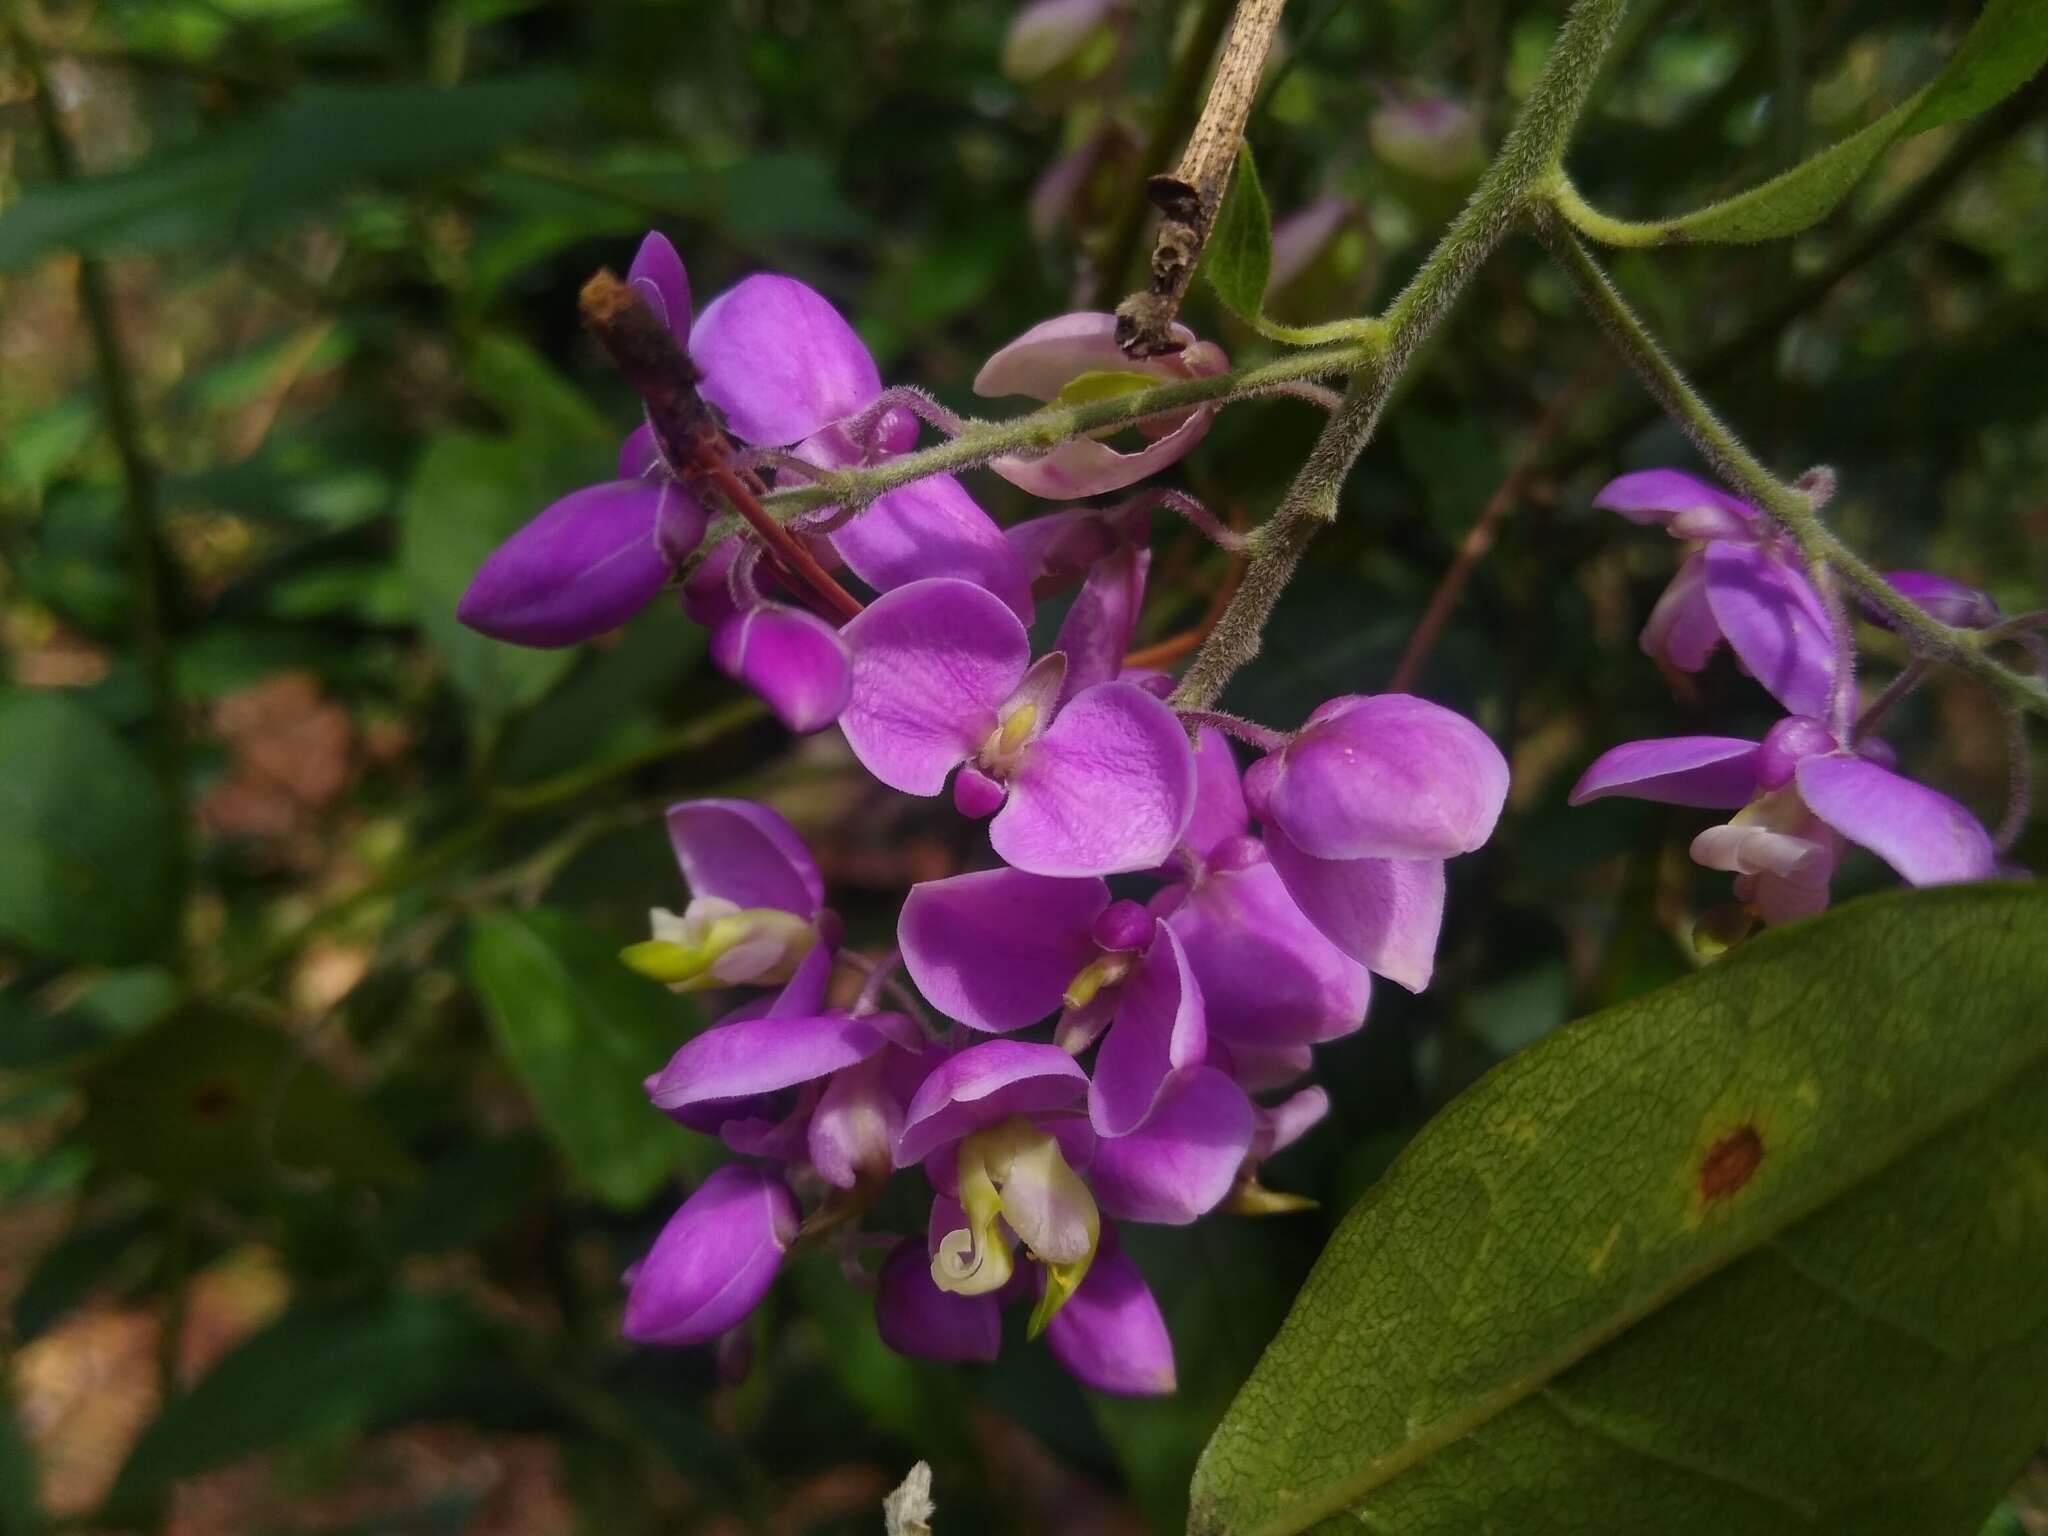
(1712, 772)
(1775, 623)
(983, 1084)
(1300, 237)
(997, 948)
(1666, 497)
(1183, 1162)
(1682, 629)
(585, 565)
(1920, 832)
(1107, 789)
(638, 457)
(792, 658)
(1266, 973)
(1110, 1333)
(1949, 600)
(1787, 744)
(1383, 913)
(757, 1056)
(1220, 812)
(715, 1259)
(1061, 546)
(745, 853)
(657, 272)
(1287, 1122)
(933, 528)
(931, 663)
(780, 361)
(1385, 777)
(915, 1317)
(1156, 1041)
(1097, 628)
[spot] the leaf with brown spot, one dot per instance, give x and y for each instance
(1760, 1252)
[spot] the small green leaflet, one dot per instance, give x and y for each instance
(1240, 250)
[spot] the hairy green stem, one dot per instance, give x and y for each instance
(1527, 160)
(1790, 508)
(140, 504)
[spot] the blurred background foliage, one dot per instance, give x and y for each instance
(321, 1137)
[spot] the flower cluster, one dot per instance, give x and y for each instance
(1819, 779)
(1072, 1055)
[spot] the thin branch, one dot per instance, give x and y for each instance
(1175, 109)
(644, 350)
(2020, 797)
(1189, 198)
(149, 563)
(1528, 158)
(1790, 508)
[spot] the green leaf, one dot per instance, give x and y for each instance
(318, 1372)
(85, 837)
(582, 1033)
(83, 1262)
(1239, 253)
(226, 1105)
(2001, 52)
(1759, 1252)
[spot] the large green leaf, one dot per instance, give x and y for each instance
(318, 1372)
(583, 1033)
(85, 837)
(1760, 1253)
(2008, 43)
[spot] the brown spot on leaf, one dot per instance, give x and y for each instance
(1730, 1163)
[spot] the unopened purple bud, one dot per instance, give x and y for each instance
(1945, 599)
(1235, 853)
(975, 794)
(1791, 739)
(715, 1259)
(915, 1317)
(584, 566)
(1123, 925)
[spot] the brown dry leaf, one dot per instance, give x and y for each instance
(293, 757)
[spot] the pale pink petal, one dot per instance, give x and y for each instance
(1083, 466)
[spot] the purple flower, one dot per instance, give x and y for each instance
(1003, 949)
(756, 907)
(1744, 584)
(942, 679)
(1073, 357)
(1361, 808)
(1946, 599)
(1431, 137)
(915, 1317)
(1110, 1333)
(1266, 973)
(715, 1259)
(1798, 795)
(786, 371)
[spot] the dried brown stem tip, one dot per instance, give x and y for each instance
(1188, 199)
(646, 353)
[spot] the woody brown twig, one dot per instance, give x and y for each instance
(1189, 198)
(645, 352)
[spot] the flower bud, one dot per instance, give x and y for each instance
(715, 1259)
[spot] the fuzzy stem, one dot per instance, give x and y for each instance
(1791, 509)
(1895, 690)
(1528, 159)
(2020, 798)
